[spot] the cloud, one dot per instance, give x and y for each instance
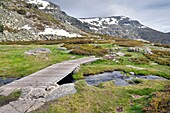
(153, 13)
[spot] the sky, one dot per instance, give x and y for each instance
(152, 13)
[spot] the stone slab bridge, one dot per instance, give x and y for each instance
(41, 87)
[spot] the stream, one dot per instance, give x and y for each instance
(118, 78)
(4, 81)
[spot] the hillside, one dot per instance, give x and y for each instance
(121, 26)
(25, 21)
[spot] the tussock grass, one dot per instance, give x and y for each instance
(161, 57)
(87, 49)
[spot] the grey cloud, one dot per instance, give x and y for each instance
(153, 13)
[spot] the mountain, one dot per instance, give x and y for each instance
(119, 26)
(26, 20)
(125, 27)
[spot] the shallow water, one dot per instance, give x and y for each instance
(4, 81)
(118, 78)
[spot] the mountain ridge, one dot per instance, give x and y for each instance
(126, 28)
(60, 22)
(142, 32)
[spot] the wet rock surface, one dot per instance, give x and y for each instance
(4, 81)
(118, 78)
(38, 51)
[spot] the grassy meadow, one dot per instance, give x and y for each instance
(147, 96)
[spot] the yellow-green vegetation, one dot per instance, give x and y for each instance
(107, 66)
(14, 63)
(87, 49)
(161, 57)
(106, 98)
(159, 101)
(12, 97)
(85, 40)
(128, 43)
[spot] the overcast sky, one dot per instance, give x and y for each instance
(152, 13)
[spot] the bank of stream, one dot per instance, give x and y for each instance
(119, 78)
(4, 81)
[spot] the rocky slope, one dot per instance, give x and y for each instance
(25, 21)
(125, 27)
(118, 26)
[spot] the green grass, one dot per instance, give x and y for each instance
(12, 97)
(107, 66)
(105, 98)
(14, 63)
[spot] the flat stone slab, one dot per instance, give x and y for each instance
(61, 91)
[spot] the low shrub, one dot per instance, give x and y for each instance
(128, 55)
(1, 28)
(128, 43)
(163, 45)
(162, 53)
(158, 59)
(87, 50)
(10, 29)
(140, 60)
(21, 12)
(159, 102)
(39, 26)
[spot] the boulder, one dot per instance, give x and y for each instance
(109, 57)
(135, 49)
(37, 93)
(120, 54)
(61, 48)
(61, 91)
(38, 51)
(131, 73)
(147, 50)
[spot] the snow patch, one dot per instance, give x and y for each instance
(142, 40)
(27, 27)
(100, 21)
(43, 4)
(123, 17)
(126, 24)
(143, 27)
(59, 32)
(93, 28)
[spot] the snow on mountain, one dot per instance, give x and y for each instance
(26, 27)
(58, 32)
(99, 21)
(41, 3)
